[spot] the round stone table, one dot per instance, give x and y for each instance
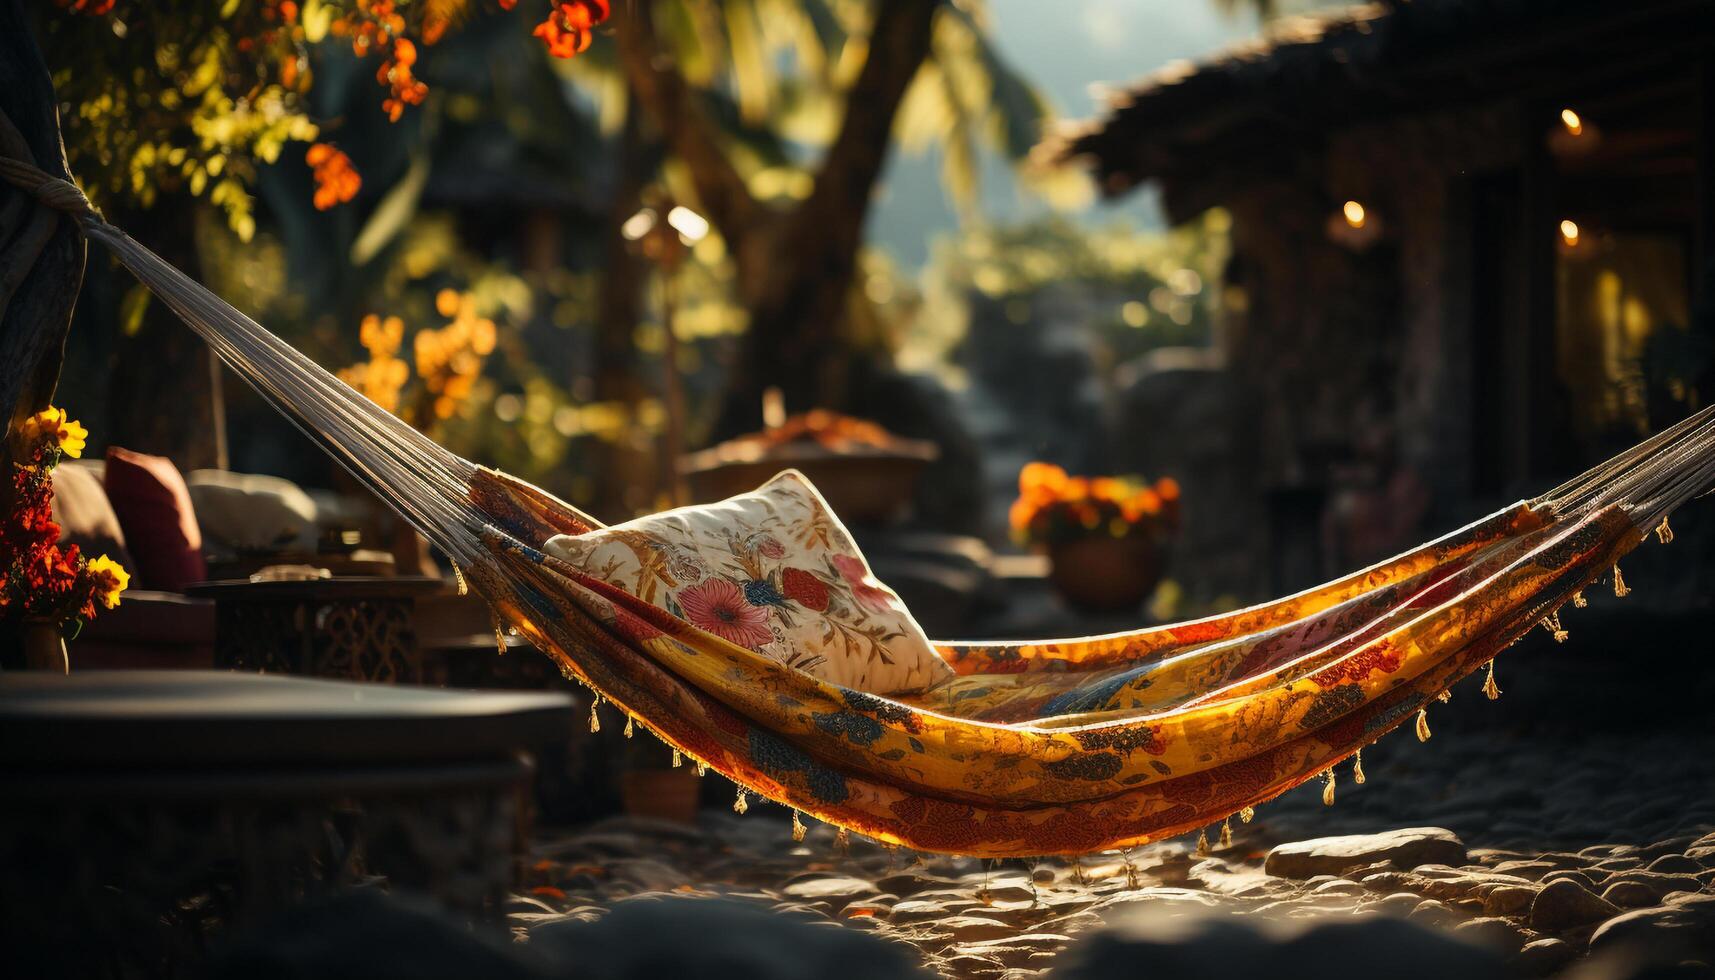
(145, 811)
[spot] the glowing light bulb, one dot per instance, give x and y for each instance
(1572, 121)
(1569, 231)
(1354, 213)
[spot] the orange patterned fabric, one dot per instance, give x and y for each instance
(1067, 746)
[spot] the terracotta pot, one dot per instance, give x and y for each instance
(665, 794)
(1104, 574)
(45, 647)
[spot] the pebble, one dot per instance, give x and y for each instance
(1566, 904)
(835, 891)
(1509, 900)
(1544, 956)
(1406, 848)
(1537, 890)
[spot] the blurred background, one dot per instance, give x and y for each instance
(1352, 277)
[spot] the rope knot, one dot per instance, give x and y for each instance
(61, 195)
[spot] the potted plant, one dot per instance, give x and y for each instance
(47, 591)
(1104, 536)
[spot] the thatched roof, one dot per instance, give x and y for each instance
(1309, 75)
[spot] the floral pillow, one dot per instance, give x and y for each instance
(772, 570)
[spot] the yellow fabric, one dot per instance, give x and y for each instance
(1077, 745)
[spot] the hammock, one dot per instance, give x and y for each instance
(1035, 748)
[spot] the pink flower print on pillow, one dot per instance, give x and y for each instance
(719, 607)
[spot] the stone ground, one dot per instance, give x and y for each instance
(1556, 841)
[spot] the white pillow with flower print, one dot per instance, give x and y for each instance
(773, 571)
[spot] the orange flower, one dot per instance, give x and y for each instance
(1054, 506)
(570, 25)
(1041, 477)
(337, 181)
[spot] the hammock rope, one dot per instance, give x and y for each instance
(1060, 746)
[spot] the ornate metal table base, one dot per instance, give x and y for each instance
(359, 629)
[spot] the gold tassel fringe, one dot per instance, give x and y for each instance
(1491, 690)
(1423, 724)
(1358, 767)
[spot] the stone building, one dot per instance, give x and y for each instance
(1471, 255)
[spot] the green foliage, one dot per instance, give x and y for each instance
(170, 98)
(1135, 290)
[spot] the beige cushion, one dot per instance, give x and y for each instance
(251, 512)
(774, 571)
(83, 512)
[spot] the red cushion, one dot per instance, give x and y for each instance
(154, 508)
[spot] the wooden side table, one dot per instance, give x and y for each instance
(147, 811)
(345, 628)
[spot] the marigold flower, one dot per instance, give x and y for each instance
(570, 25)
(337, 181)
(110, 579)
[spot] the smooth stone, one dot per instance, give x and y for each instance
(1509, 900)
(1434, 912)
(906, 884)
(1534, 870)
(1399, 903)
(1659, 884)
(1406, 848)
(1339, 887)
(1540, 958)
(1491, 931)
(1630, 895)
(1566, 904)
(916, 910)
(1577, 877)
(833, 890)
(1675, 864)
(971, 928)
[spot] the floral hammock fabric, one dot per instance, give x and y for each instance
(1034, 748)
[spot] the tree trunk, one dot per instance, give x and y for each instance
(161, 395)
(41, 251)
(795, 267)
(627, 476)
(797, 281)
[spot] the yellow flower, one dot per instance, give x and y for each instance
(69, 435)
(110, 579)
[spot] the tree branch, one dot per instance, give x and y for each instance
(898, 45)
(662, 89)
